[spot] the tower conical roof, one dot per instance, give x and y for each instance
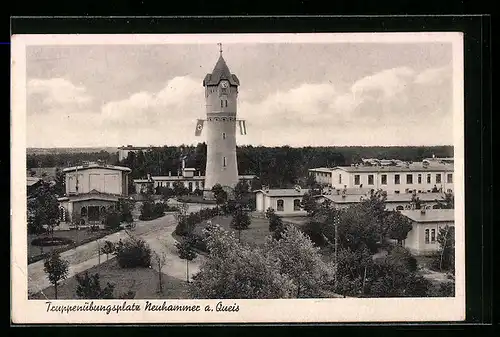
(220, 72)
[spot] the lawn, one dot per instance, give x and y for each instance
(78, 236)
(143, 281)
(255, 234)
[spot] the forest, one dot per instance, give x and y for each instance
(277, 167)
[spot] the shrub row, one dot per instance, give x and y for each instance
(187, 223)
(151, 210)
(51, 241)
(39, 257)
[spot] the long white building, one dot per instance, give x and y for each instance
(425, 176)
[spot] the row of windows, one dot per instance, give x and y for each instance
(197, 184)
(432, 238)
(223, 102)
(280, 205)
(397, 179)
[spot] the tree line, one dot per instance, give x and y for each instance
(276, 166)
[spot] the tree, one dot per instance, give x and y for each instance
(161, 260)
(133, 253)
(309, 204)
(125, 208)
(240, 220)
(60, 183)
(233, 270)
(108, 248)
(311, 181)
(241, 190)
(43, 209)
(396, 276)
(112, 219)
(446, 255)
(186, 252)
(398, 226)
(89, 287)
(352, 269)
(179, 189)
(448, 203)
(219, 194)
(56, 269)
(301, 261)
(276, 226)
(255, 184)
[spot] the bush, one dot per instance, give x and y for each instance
(127, 295)
(51, 241)
(133, 253)
(186, 224)
(89, 287)
(112, 220)
(151, 210)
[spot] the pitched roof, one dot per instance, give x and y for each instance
(401, 197)
(30, 181)
(430, 215)
(220, 72)
(412, 167)
(96, 165)
(288, 192)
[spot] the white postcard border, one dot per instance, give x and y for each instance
(251, 311)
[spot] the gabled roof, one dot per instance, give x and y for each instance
(430, 215)
(220, 72)
(412, 167)
(96, 165)
(30, 181)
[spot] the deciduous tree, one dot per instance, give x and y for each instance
(89, 287)
(240, 220)
(186, 252)
(43, 209)
(56, 269)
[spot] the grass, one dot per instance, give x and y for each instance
(255, 234)
(143, 281)
(78, 236)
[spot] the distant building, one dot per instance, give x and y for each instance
(425, 176)
(91, 190)
(397, 202)
(31, 184)
(125, 150)
(189, 177)
(285, 202)
(48, 174)
(422, 239)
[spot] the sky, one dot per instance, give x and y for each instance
(314, 94)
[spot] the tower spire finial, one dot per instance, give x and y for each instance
(220, 48)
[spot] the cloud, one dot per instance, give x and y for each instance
(434, 75)
(397, 106)
(54, 93)
(390, 82)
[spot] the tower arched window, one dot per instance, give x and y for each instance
(280, 205)
(223, 135)
(224, 162)
(221, 103)
(226, 103)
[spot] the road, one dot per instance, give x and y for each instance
(157, 233)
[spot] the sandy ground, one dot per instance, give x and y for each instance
(157, 233)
